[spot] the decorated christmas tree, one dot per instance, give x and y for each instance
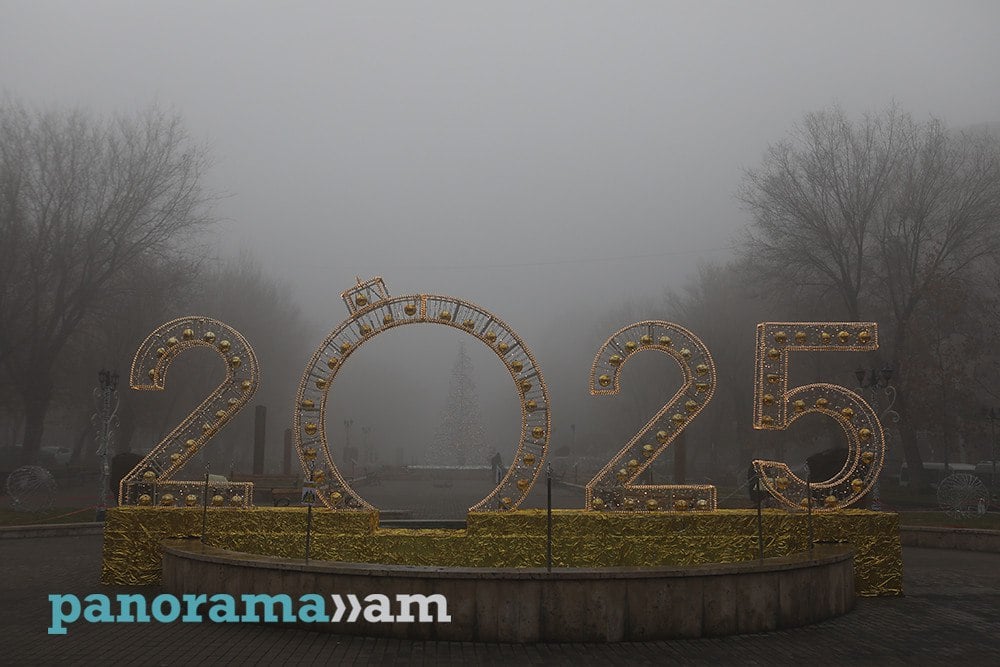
(460, 438)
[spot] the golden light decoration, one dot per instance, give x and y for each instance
(859, 423)
(698, 379)
(381, 312)
(156, 472)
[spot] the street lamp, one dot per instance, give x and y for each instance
(993, 415)
(106, 421)
(874, 380)
(347, 439)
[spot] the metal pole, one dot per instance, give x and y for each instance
(204, 508)
(309, 521)
(760, 526)
(809, 511)
(548, 516)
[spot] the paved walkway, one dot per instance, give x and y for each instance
(951, 613)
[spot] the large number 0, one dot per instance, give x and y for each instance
(776, 407)
(373, 311)
(615, 487)
(152, 478)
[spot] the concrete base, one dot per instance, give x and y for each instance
(963, 539)
(533, 605)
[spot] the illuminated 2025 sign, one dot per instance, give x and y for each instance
(615, 487)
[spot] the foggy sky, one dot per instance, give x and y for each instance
(545, 160)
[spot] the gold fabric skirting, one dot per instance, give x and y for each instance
(580, 538)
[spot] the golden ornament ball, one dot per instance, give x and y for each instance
(701, 369)
(232, 402)
(662, 436)
(319, 477)
(246, 385)
(522, 484)
(187, 334)
(236, 500)
(647, 450)
(677, 418)
(336, 497)
(506, 501)
(410, 309)
(219, 414)
(857, 485)
(503, 347)
(529, 459)
(209, 337)
(629, 503)
(345, 347)
(680, 504)
(780, 336)
(848, 412)
(616, 359)
(597, 503)
(830, 501)
(445, 316)
(825, 337)
(804, 502)
(160, 352)
(387, 319)
(309, 454)
(864, 433)
(653, 504)
(621, 475)
(767, 399)
(206, 427)
(516, 366)
(604, 380)
(307, 404)
(531, 406)
(321, 383)
(822, 403)
(773, 353)
(468, 324)
(171, 342)
(666, 341)
(799, 405)
(190, 443)
(190, 499)
(145, 499)
(646, 339)
(800, 337)
(167, 500)
(773, 378)
(525, 386)
(537, 432)
(781, 483)
(864, 336)
(217, 500)
(630, 345)
(224, 345)
(149, 476)
(633, 463)
(691, 406)
(844, 336)
(361, 300)
(491, 336)
(365, 329)
(152, 373)
(767, 420)
(867, 458)
(685, 353)
(175, 457)
(702, 504)
(332, 362)
(235, 362)
(310, 428)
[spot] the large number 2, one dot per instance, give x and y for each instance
(776, 407)
(152, 478)
(615, 487)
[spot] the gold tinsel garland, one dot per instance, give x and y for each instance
(132, 536)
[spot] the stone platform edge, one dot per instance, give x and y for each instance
(525, 605)
(961, 539)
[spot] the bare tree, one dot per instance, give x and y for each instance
(871, 216)
(83, 200)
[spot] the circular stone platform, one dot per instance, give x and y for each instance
(532, 605)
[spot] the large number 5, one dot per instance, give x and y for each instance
(776, 407)
(615, 487)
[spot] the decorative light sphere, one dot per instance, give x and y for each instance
(190, 443)
(160, 352)
(780, 336)
(616, 360)
(224, 345)
(525, 386)
(468, 324)
(621, 475)
(701, 504)
(629, 504)
(685, 353)
(857, 485)
(773, 378)
(309, 453)
(691, 406)
(172, 342)
(491, 336)
(781, 483)
(529, 459)
(864, 433)
(799, 405)
(522, 484)
(604, 380)
(503, 347)
(206, 427)
(633, 463)
(145, 499)
(773, 353)
(232, 402)
(630, 345)
(537, 432)
(848, 412)
(219, 414)
(531, 406)
(321, 383)
(517, 366)
(310, 428)
(864, 336)
(506, 501)
(387, 319)
(410, 309)
(187, 334)
(767, 399)
(867, 458)
(149, 476)
(825, 337)
(235, 362)
(217, 500)
(677, 418)
(208, 337)
(190, 499)
(152, 373)
(822, 403)
(800, 337)
(680, 504)
(319, 477)
(345, 347)
(662, 436)
(844, 336)
(336, 497)
(246, 385)
(236, 500)
(365, 329)
(167, 500)
(647, 450)
(175, 457)
(830, 501)
(361, 300)
(444, 316)
(701, 387)
(767, 419)
(652, 504)
(307, 404)
(666, 341)
(597, 504)
(646, 339)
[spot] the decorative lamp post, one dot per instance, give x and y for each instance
(993, 415)
(106, 421)
(877, 383)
